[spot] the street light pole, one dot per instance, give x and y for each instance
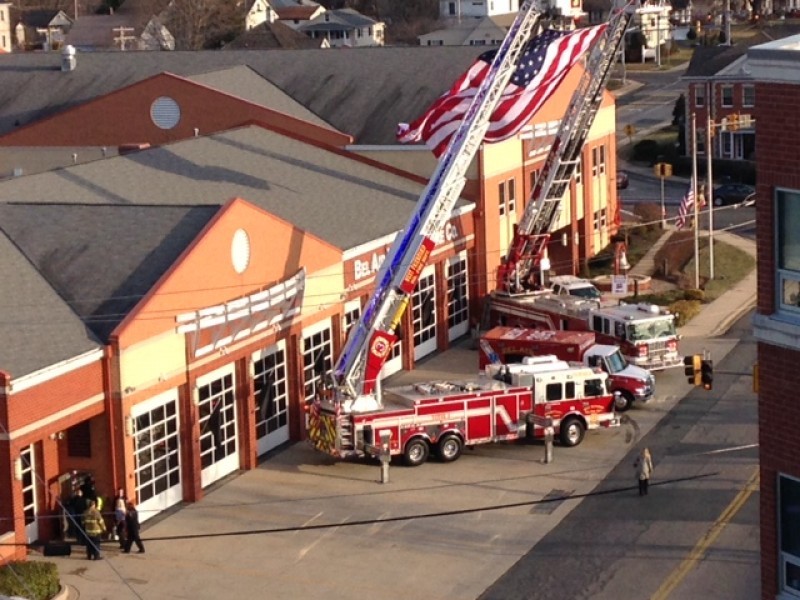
(710, 196)
(696, 201)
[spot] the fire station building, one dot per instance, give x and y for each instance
(167, 312)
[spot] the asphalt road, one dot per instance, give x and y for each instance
(694, 536)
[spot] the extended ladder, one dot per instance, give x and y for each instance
(369, 342)
(532, 233)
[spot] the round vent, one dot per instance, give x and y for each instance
(165, 112)
(240, 251)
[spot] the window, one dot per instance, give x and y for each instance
(700, 141)
(501, 191)
(699, 96)
(592, 387)
(602, 163)
(534, 175)
(451, 8)
(787, 241)
(727, 145)
(512, 195)
(600, 220)
(727, 96)
(595, 161)
(553, 392)
(789, 533)
(748, 95)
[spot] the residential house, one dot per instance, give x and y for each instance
(121, 31)
(720, 86)
(775, 71)
(345, 28)
(488, 31)
(259, 12)
(129, 379)
(41, 29)
(476, 9)
(6, 39)
(297, 15)
(272, 36)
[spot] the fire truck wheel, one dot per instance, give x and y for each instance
(623, 401)
(571, 432)
(450, 447)
(416, 452)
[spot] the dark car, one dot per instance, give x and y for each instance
(622, 180)
(732, 193)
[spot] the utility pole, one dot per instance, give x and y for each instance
(696, 202)
(710, 193)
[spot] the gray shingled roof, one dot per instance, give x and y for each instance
(336, 198)
(100, 259)
(37, 328)
(710, 60)
(363, 92)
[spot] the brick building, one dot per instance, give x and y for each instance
(169, 311)
(775, 69)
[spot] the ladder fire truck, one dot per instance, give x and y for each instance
(646, 334)
(354, 416)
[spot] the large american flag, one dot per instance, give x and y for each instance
(545, 61)
(687, 206)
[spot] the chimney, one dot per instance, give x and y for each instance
(68, 59)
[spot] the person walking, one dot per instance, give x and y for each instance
(94, 527)
(132, 527)
(644, 470)
(120, 507)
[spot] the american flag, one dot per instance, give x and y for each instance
(545, 61)
(687, 205)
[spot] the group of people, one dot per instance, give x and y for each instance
(88, 524)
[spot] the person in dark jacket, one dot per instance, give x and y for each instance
(77, 505)
(132, 529)
(120, 507)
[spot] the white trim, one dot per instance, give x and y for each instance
(53, 371)
(17, 433)
(151, 403)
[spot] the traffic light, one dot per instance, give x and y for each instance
(707, 373)
(693, 368)
(733, 122)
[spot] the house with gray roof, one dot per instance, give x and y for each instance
(345, 28)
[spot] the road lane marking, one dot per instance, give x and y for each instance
(731, 449)
(697, 553)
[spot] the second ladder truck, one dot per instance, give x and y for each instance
(646, 334)
(355, 417)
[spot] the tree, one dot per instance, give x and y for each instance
(199, 24)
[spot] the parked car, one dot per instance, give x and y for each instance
(574, 286)
(732, 193)
(622, 180)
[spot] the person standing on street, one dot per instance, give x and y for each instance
(132, 526)
(644, 469)
(94, 526)
(120, 506)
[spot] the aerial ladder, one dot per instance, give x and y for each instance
(355, 377)
(517, 272)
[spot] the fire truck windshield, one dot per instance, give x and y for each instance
(653, 329)
(616, 362)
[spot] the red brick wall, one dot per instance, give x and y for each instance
(778, 123)
(779, 422)
(778, 154)
(42, 401)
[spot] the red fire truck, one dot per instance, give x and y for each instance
(354, 415)
(645, 333)
(508, 345)
(508, 402)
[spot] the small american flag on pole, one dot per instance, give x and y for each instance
(687, 206)
(542, 67)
